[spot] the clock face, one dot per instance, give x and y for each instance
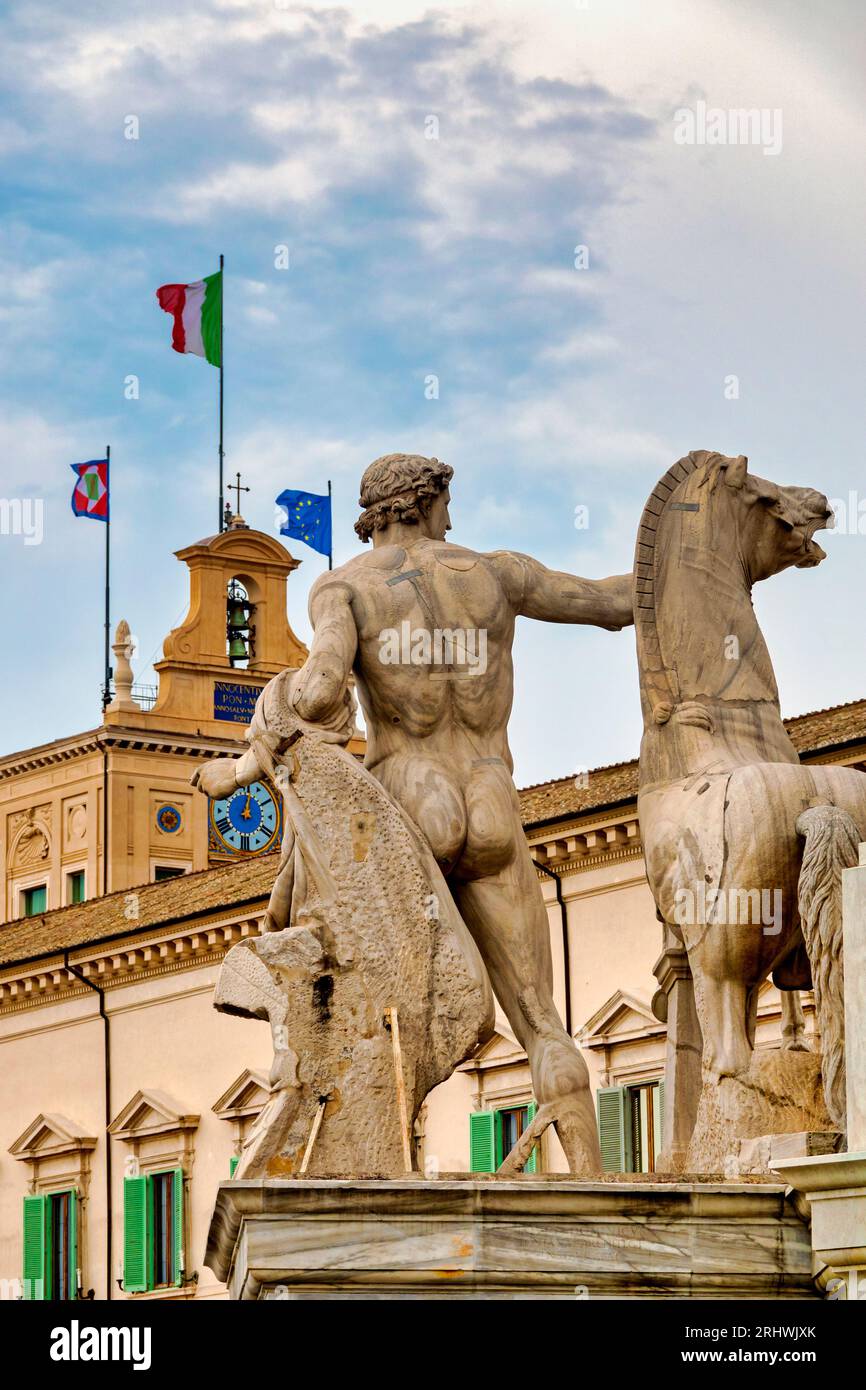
(247, 822)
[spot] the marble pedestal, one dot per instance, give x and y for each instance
(831, 1188)
(525, 1237)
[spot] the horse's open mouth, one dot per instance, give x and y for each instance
(813, 553)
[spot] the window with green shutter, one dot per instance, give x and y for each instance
(658, 1120)
(482, 1142)
(35, 1241)
(135, 1241)
(177, 1233)
(34, 901)
(233, 1164)
(493, 1134)
(612, 1107)
(51, 1246)
(532, 1162)
(75, 887)
(630, 1120)
(153, 1231)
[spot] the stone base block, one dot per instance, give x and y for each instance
(760, 1155)
(526, 1237)
(780, 1093)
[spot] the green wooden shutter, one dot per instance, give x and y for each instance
(482, 1142)
(611, 1105)
(532, 1163)
(178, 1226)
(35, 1241)
(658, 1118)
(233, 1164)
(136, 1254)
(73, 1242)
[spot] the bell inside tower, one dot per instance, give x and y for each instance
(240, 633)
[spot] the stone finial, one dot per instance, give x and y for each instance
(122, 648)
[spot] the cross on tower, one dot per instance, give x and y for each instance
(236, 487)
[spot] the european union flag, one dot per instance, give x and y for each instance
(308, 519)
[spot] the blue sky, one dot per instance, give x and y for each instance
(261, 125)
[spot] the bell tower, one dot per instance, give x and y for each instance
(234, 638)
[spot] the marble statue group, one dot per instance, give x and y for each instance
(405, 897)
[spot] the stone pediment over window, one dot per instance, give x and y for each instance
(150, 1114)
(246, 1096)
(158, 1131)
(58, 1151)
(622, 1018)
(242, 1104)
(50, 1135)
(499, 1051)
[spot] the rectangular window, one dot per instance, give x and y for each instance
(164, 871)
(153, 1231)
(512, 1123)
(61, 1277)
(630, 1126)
(51, 1246)
(35, 900)
(163, 1229)
(75, 887)
(493, 1134)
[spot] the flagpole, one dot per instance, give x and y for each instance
(331, 520)
(106, 692)
(221, 519)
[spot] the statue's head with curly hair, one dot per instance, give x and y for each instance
(399, 488)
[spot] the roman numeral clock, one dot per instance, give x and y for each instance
(249, 821)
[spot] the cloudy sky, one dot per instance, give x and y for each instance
(261, 125)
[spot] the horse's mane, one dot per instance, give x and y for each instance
(659, 682)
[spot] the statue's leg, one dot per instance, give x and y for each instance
(723, 1013)
(506, 914)
(794, 1037)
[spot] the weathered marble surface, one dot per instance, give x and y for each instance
(744, 847)
(516, 1238)
(832, 1187)
(376, 942)
(780, 1092)
(854, 954)
(762, 1154)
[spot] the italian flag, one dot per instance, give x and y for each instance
(197, 310)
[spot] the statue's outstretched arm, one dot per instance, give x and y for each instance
(318, 694)
(320, 685)
(556, 597)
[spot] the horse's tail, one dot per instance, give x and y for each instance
(831, 845)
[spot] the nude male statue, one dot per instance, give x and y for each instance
(436, 717)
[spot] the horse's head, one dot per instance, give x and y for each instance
(709, 531)
(775, 524)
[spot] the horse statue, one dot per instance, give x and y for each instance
(744, 846)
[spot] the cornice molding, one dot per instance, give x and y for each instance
(123, 963)
(575, 841)
(138, 740)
